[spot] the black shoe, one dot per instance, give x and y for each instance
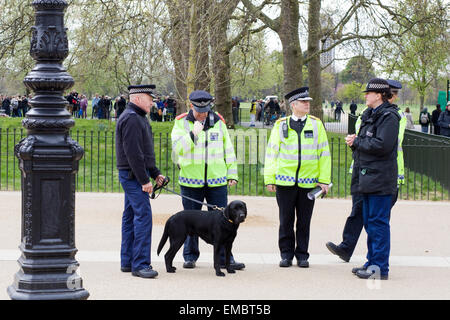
(334, 249)
(125, 269)
(145, 273)
(364, 274)
(356, 269)
(303, 263)
(285, 263)
(189, 265)
(234, 265)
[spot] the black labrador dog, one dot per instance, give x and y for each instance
(215, 227)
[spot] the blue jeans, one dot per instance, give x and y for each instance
(136, 225)
(214, 195)
(425, 129)
(376, 214)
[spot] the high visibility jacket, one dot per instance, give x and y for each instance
(401, 134)
(287, 163)
(210, 161)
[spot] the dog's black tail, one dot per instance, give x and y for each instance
(164, 237)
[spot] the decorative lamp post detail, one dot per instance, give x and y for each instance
(48, 160)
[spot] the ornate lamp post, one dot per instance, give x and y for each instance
(48, 160)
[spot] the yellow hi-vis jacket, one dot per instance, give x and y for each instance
(283, 165)
(209, 161)
(401, 135)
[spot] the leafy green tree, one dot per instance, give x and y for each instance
(358, 69)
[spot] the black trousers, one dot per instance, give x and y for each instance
(354, 224)
(293, 202)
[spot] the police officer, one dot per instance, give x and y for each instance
(203, 150)
(136, 164)
(297, 160)
(375, 174)
(354, 223)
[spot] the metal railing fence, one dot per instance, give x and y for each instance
(426, 175)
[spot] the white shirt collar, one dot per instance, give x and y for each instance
(296, 119)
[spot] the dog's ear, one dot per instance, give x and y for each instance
(226, 212)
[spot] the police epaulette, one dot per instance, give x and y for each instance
(221, 118)
(315, 118)
(181, 116)
(282, 119)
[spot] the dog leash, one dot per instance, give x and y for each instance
(164, 186)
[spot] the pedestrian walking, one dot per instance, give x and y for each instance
(354, 223)
(338, 111)
(205, 155)
(375, 174)
(136, 164)
(297, 160)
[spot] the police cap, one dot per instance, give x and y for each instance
(298, 94)
(143, 88)
(201, 100)
(378, 85)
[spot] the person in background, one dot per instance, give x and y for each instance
(424, 119)
(444, 121)
(95, 102)
(83, 106)
(409, 119)
(253, 107)
(353, 107)
(434, 119)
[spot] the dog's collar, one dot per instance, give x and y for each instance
(229, 220)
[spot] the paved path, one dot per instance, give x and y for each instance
(419, 264)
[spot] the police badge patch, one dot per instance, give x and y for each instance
(309, 134)
(214, 136)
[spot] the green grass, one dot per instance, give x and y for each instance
(97, 171)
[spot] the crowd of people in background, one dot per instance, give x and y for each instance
(14, 106)
(165, 109)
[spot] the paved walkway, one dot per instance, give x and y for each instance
(419, 264)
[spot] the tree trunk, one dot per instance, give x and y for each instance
(203, 78)
(314, 68)
(292, 53)
(221, 69)
(179, 45)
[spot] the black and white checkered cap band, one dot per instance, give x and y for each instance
(142, 90)
(377, 86)
(299, 96)
(201, 104)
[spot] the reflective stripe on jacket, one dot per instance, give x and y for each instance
(282, 155)
(209, 161)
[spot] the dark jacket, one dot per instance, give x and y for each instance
(444, 123)
(134, 144)
(375, 152)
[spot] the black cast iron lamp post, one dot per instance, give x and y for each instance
(48, 160)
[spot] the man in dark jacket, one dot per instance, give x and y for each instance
(375, 174)
(353, 107)
(444, 121)
(136, 163)
(434, 119)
